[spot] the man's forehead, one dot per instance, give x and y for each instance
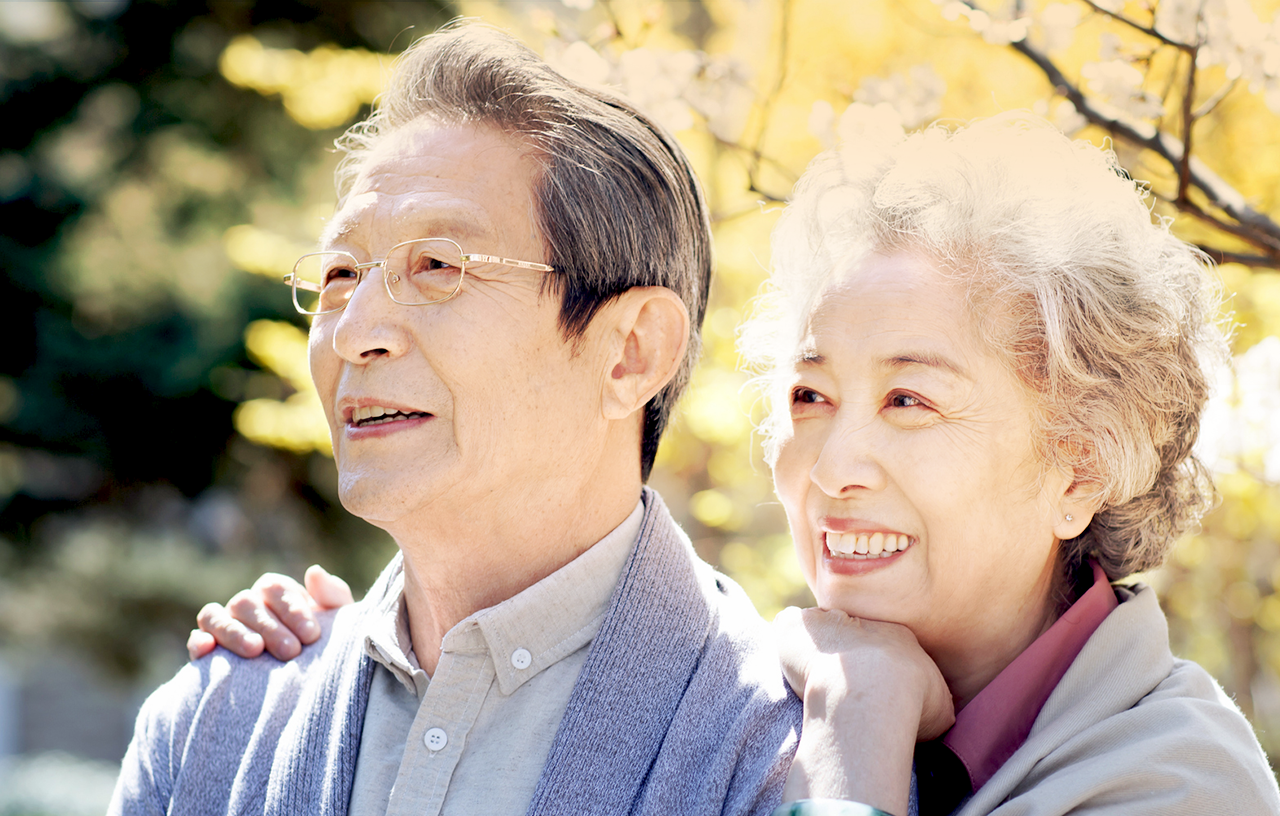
(422, 215)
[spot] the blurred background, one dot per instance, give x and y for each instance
(164, 162)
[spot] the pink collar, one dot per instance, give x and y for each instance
(996, 722)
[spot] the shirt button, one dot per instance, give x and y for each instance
(521, 658)
(435, 738)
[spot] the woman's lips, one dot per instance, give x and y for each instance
(851, 553)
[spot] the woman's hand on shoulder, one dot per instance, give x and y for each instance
(854, 662)
(277, 614)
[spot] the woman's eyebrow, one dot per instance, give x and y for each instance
(928, 359)
(809, 358)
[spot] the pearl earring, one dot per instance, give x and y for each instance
(1070, 517)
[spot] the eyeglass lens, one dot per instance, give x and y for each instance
(416, 272)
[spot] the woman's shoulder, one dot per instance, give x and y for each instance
(1132, 729)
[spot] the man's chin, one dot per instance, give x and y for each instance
(380, 505)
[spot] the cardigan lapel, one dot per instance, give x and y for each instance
(634, 678)
(315, 762)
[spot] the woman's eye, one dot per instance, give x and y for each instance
(806, 396)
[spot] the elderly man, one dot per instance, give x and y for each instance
(505, 311)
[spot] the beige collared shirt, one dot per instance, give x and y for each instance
(473, 738)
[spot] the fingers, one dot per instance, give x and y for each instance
(250, 609)
(288, 605)
(228, 632)
(328, 591)
(199, 644)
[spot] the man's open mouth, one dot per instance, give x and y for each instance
(377, 415)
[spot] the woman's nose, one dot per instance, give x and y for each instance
(371, 325)
(848, 461)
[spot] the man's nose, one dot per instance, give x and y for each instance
(849, 460)
(372, 324)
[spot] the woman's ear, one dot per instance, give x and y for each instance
(650, 328)
(1075, 505)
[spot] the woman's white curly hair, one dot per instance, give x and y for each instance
(1110, 322)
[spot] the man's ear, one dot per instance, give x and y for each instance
(650, 332)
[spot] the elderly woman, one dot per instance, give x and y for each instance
(987, 367)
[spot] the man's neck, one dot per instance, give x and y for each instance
(479, 564)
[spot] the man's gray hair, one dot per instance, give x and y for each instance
(618, 205)
(1109, 321)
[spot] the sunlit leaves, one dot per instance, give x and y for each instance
(297, 422)
(322, 88)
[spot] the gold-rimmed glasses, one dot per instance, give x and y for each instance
(416, 273)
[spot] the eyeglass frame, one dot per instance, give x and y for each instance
(359, 268)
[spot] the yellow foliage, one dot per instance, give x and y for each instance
(260, 252)
(296, 423)
(712, 508)
(282, 348)
(714, 408)
(322, 88)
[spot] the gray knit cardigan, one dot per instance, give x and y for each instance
(680, 709)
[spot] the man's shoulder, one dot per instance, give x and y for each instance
(212, 731)
(736, 644)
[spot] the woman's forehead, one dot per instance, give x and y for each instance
(898, 307)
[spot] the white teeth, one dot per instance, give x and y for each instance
(839, 543)
(863, 547)
(377, 415)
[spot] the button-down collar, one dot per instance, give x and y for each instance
(535, 628)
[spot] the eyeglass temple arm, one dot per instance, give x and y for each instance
(302, 284)
(469, 258)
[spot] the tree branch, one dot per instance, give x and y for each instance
(1136, 26)
(1255, 227)
(1212, 102)
(1221, 256)
(766, 105)
(1188, 124)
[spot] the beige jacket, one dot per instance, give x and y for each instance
(1130, 730)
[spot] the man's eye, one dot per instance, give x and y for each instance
(339, 274)
(428, 264)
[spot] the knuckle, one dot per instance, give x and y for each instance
(208, 614)
(270, 579)
(243, 605)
